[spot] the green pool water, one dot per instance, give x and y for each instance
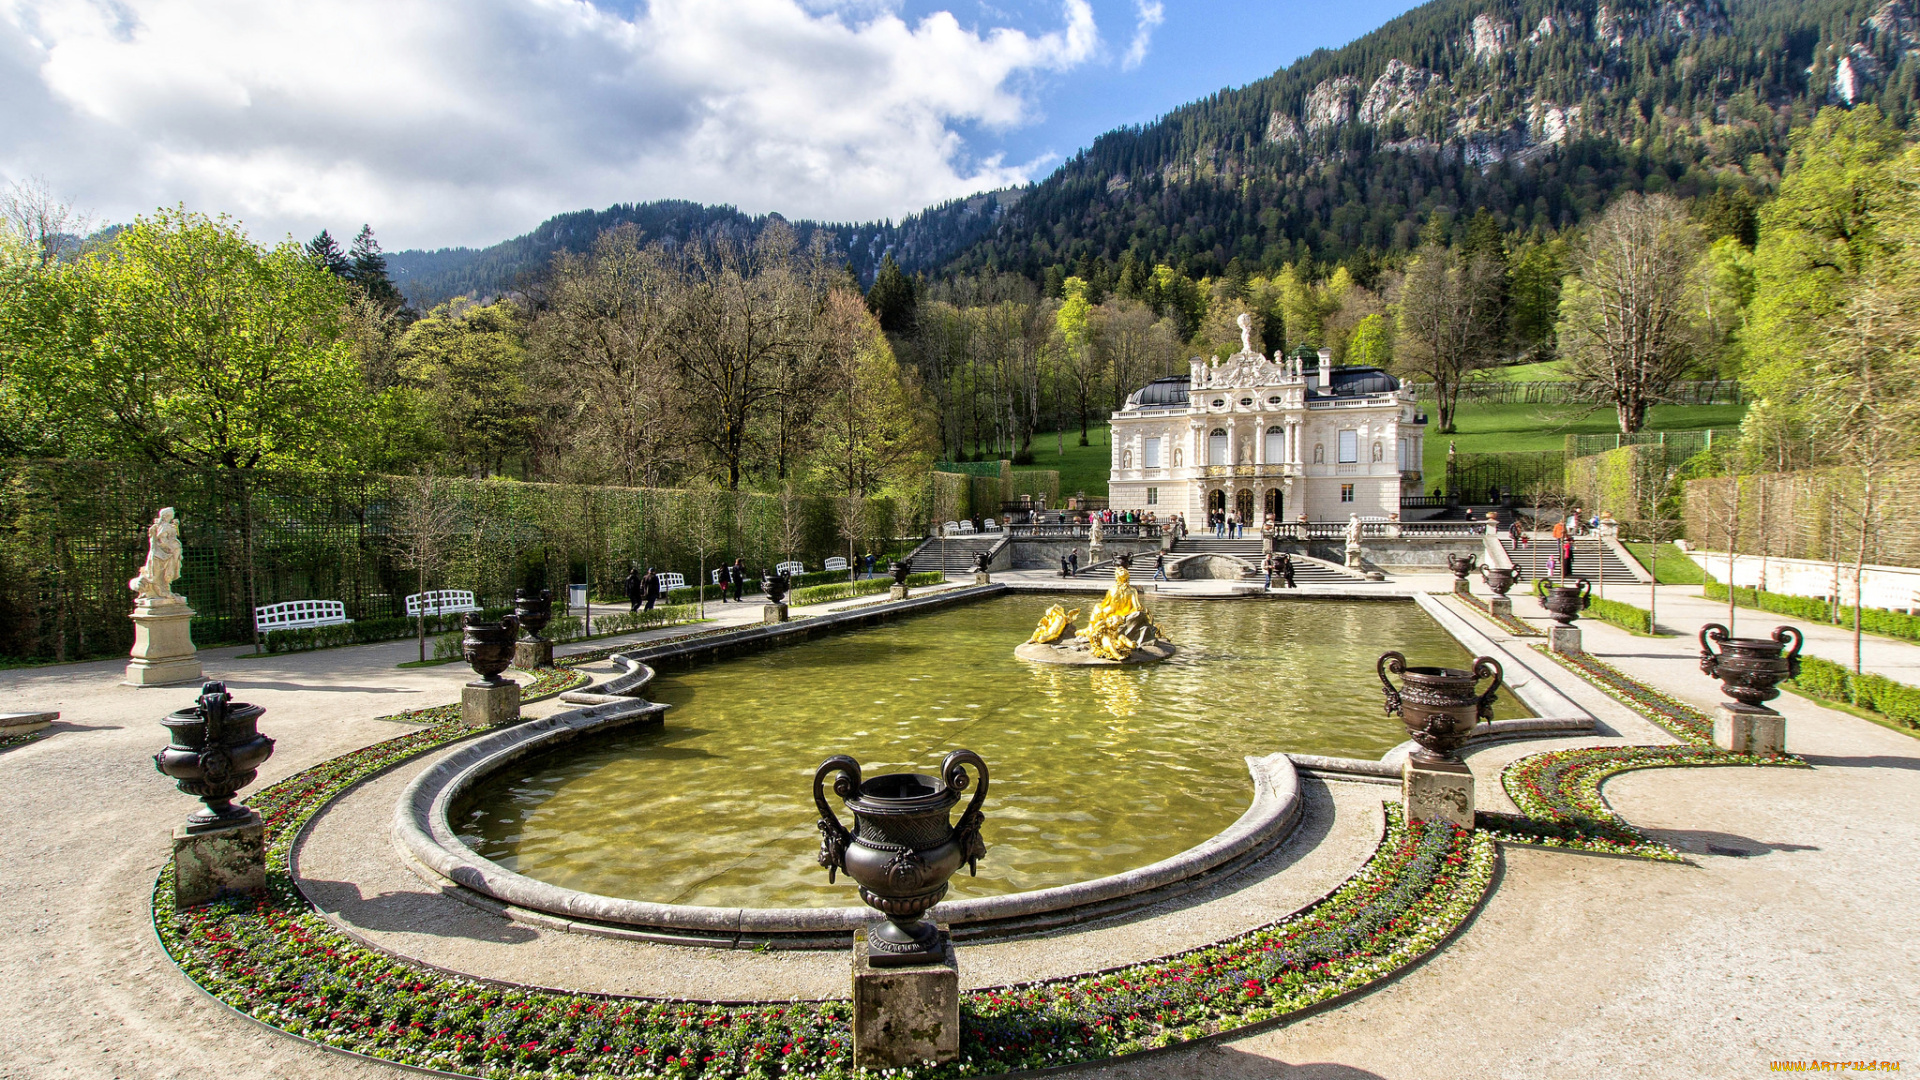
(1094, 770)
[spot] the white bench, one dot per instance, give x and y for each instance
(835, 563)
(671, 581)
(795, 568)
(989, 525)
(950, 528)
(298, 614)
(441, 602)
(716, 576)
(965, 529)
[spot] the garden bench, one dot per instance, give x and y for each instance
(441, 602)
(950, 528)
(989, 525)
(671, 581)
(794, 567)
(835, 563)
(965, 529)
(298, 614)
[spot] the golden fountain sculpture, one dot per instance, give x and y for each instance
(1119, 631)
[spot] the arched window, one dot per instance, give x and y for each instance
(1217, 446)
(1319, 453)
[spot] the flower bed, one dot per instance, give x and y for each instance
(1506, 622)
(1676, 717)
(11, 741)
(277, 960)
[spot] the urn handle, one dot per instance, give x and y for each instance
(1586, 591)
(1709, 660)
(1780, 634)
(1484, 666)
(1396, 663)
(967, 832)
(833, 835)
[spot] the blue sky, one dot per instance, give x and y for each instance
(448, 122)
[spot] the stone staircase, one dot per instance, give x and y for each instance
(1591, 560)
(955, 554)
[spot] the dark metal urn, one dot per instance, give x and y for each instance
(980, 562)
(489, 646)
(215, 750)
(902, 849)
(534, 610)
(1440, 706)
(1750, 669)
(1566, 602)
(900, 570)
(1498, 578)
(776, 585)
(1461, 565)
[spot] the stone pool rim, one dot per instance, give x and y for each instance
(422, 823)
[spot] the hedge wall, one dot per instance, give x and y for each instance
(1813, 609)
(1875, 693)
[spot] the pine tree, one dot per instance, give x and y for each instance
(894, 298)
(368, 270)
(326, 252)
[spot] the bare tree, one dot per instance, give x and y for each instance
(1448, 325)
(703, 517)
(793, 519)
(426, 514)
(45, 228)
(1630, 323)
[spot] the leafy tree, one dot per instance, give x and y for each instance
(871, 436)
(182, 340)
(1446, 331)
(467, 367)
(1371, 343)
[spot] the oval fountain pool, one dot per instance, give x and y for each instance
(1094, 770)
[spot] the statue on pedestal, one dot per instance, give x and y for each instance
(154, 583)
(1353, 540)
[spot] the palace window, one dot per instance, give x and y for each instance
(1153, 496)
(1346, 492)
(1150, 453)
(1349, 446)
(1217, 447)
(1276, 445)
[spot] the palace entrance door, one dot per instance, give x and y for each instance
(1243, 505)
(1276, 502)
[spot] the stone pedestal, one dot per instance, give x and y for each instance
(226, 860)
(1353, 558)
(1749, 729)
(533, 655)
(484, 706)
(1437, 791)
(903, 1016)
(773, 613)
(1501, 606)
(163, 652)
(982, 578)
(25, 723)
(1460, 586)
(1564, 639)
(897, 592)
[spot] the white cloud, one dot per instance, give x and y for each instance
(1152, 14)
(464, 121)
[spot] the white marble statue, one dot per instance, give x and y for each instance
(155, 581)
(1246, 332)
(1353, 532)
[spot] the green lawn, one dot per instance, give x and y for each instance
(1081, 468)
(1505, 429)
(1674, 569)
(1544, 371)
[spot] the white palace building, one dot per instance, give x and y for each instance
(1260, 437)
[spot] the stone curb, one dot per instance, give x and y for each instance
(1388, 767)
(1527, 684)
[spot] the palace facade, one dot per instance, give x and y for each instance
(1283, 437)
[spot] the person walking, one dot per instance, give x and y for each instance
(740, 581)
(649, 589)
(1073, 562)
(1160, 565)
(1268, 564)
(1566, 557)
(1286, 569)
(633, 589)
(1063, 564)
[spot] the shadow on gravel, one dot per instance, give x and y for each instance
(1215, 1062)
(411, 913)
(1877, 761)
(1708, 842)
(249, 684)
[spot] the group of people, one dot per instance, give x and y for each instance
(642, 588)
(1564, 533)
(1280, 563)
(1225, 525)
(1070, 563)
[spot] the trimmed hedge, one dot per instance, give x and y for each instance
(1896, 701)
(821, 594)
(567, 627)
(363, 632)
(1814, 609)
(1624, 616)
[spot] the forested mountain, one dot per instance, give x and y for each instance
(1537, 110)
(919, 242)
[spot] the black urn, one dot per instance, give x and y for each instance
(1498, 578)
(902, 848)
(980, 562)
(1750, 669)
(489, 646)
(1461, 565)
(1439, 705)
(776, 585)
(533, 609)
(900, 570)
(1566, 602)
(215, 750)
